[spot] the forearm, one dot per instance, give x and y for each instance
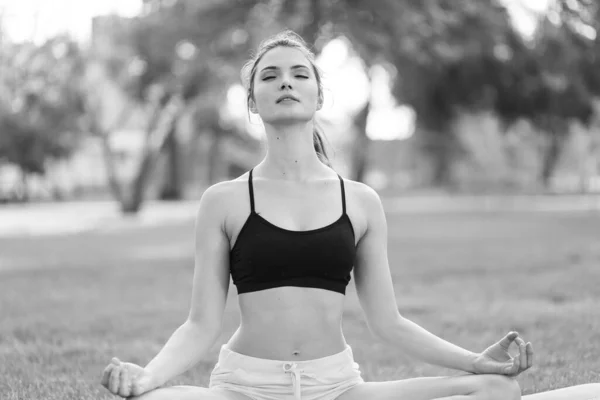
(184, 349)
(422, 344)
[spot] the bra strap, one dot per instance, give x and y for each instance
(343, 195)
(251, 192)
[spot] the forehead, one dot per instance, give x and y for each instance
(283, 57)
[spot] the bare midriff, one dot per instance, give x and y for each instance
(290, 323)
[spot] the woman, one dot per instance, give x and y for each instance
(272, 230)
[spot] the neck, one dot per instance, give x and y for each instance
(291, 154)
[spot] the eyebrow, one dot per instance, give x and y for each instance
(271, 67)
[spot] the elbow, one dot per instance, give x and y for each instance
(388, 330)
(204, 327)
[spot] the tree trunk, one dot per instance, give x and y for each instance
(214, 155)
(360, 150)
(25, 193)
(442, 164)
(551, 157)
(441, 148)
(157, 135)
(173, 184)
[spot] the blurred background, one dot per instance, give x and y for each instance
(477, 122)
(131, 100)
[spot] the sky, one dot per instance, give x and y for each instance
(39, 19)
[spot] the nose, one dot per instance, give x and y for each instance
(285, 83)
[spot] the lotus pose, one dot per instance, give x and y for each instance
(290, 232)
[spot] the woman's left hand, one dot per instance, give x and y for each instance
(497, 360)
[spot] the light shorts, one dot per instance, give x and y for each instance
(262, 379)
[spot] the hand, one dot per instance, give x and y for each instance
(126, 379)
(497, 360)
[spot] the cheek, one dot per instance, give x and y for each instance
(262, 97)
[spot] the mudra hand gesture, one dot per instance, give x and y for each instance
(497, 360)
(126, 379)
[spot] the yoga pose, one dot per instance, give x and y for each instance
(290, 232)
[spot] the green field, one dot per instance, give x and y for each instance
(70, 302)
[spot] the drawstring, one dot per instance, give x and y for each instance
(296, 381)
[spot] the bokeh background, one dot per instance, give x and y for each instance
(477, 122)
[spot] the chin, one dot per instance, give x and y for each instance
(288, 119)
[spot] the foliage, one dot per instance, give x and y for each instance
(41, 106)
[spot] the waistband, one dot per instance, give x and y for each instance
(231, 359)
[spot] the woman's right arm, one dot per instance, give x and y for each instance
(194, 338)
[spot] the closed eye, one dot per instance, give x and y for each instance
(268, 78)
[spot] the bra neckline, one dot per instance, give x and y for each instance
(315, 230)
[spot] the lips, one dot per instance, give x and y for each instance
(286, 96)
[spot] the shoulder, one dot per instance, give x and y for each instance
(366, 197)
(220, 197)
(367, 202)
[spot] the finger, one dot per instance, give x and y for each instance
(522, 353)
(114, 381)
(136, 388)
(124, 383)
(529, 350)
(516, 364)
(508, 368)
(511, 367)
(507, 340)
(106, 375)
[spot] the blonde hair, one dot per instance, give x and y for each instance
(287, 38)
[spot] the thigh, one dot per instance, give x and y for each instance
(190, 393)
(590, 391)
(432, 388)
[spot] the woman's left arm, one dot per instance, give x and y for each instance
(376, 295)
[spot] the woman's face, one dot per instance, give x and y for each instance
(285, 71)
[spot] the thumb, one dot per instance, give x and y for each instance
(115, 361)
(136, 388)
(507, 340)
(508, 368)
(511, 367)
(140, 386)
(499, 368)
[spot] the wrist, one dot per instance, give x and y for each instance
(155, 379)
(471, 362)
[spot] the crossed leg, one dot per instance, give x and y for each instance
(190, 393)
(464, 387)
(590, 391)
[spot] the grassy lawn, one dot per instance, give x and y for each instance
(69, 303)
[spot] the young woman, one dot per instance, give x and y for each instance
(290, 232)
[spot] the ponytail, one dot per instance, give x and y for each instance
(320, 149)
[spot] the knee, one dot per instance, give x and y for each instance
(499, 387)
(164, 393)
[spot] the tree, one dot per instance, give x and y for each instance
(171, 65)
(447, 56)
(41, 110)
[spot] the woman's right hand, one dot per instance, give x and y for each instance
(126, 379)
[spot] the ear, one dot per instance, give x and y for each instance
(252, 106)
(320, 102)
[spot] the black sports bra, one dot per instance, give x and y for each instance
(266, 256)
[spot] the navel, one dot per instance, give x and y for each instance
(296, 353)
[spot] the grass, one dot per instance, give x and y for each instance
(69, 303)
